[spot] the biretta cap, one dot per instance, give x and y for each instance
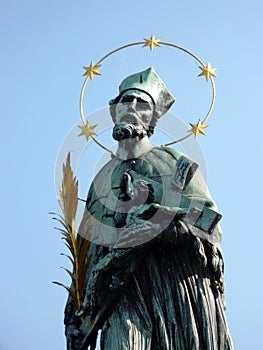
(151, 84)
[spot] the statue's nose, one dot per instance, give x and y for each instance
(132, 105)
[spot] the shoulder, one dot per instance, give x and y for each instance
(171, 155)
(167, 153)
(179, 164)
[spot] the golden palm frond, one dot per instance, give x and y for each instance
(76, 242)
(68, 200)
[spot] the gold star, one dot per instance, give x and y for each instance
(92, 70)
(198, 128)
(152, 42)
(208, 71)
(87, 130)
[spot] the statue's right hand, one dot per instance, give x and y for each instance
(73, 337)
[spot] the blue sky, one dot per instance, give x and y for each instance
(44, 46)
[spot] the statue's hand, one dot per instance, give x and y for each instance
(73, 336)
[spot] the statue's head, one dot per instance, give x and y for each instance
(143, 98)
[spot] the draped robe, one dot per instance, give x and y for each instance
(162, 292)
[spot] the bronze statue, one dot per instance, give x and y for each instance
(155, 278)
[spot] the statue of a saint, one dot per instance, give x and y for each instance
(155, 279)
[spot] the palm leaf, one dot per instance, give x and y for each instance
(70, 291)
(62, 222)
(69, 257)
(70, 249)
(71, 274)
(77, 243)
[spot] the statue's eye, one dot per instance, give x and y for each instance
(144, 106)
(127, 99)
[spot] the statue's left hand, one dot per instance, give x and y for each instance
(147, 222)
(139, 227)
(73, 336)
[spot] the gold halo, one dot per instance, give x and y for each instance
(206, 70)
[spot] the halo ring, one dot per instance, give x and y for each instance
(152, 42)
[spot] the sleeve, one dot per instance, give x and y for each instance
(198, 192)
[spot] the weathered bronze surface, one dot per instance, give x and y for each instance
(155, 279)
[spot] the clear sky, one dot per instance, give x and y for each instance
(44, 45)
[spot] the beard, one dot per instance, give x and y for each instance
(125, 131)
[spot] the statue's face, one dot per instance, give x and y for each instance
(134, 107)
